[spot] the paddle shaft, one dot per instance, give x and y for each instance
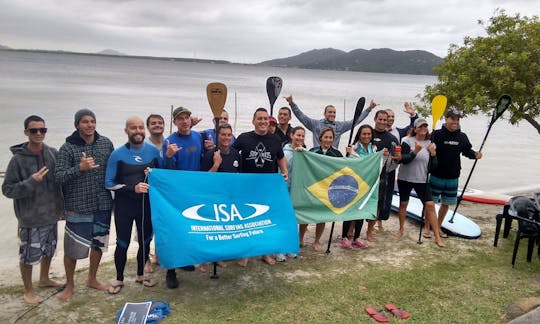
(357, 112)
(330, 238)
(470, 174)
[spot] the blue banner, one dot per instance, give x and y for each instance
(207, 216)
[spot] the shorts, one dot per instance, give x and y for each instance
(444, 190)
(37, 242)
(85, 232)
(422, 191)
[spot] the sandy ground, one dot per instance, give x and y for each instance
(387, 250)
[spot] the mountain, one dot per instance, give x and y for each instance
(4, 47)
(110, 52)
(381, 60)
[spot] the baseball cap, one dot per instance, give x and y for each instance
(453, 113)
(420, 121)
(272, 120)
(181, 110)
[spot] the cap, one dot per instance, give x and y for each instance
(420, 121)
(81, 113)
(181, 110)
(272, 120)
(453, 113)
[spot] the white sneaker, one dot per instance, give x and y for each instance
(292, 255)
(281, 257)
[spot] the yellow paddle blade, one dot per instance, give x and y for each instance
(438, 106)
(217, 95)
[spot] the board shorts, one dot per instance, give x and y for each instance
(85, 232)
(37, 242)
(422, 191)
(444, 190)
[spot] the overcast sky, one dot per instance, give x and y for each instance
(244, 31)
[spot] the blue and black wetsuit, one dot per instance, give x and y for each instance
(125, 170)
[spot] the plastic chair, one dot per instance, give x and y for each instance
(507, 224)
(528, 225)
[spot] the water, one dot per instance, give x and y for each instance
(54, 86)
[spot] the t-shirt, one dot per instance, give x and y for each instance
(259, 153)
(230, 162)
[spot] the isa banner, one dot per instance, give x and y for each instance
(328, 189)
(207, 216)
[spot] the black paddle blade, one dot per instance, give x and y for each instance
(502, 104)
(357, 112)
(273, 88)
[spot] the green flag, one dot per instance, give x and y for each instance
(328, 189)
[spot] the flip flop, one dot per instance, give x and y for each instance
(115, 289)
(376, 315)
(147, 282)
(397, 312)
(426, 235)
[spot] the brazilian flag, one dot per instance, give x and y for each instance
(328, 189)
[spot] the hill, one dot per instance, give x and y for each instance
(382, 60)
(4, 47)
(111, 52)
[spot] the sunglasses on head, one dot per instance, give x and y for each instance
(35, 130)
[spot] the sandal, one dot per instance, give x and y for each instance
(147, 282)
(397, 312)
(427, 235)
(376, 315)
(115, 289)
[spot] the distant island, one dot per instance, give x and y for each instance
(381, 60)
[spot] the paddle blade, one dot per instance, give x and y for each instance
(273, 88)
(502, 104)
(357, 112)
(217, 95)
(438, 106)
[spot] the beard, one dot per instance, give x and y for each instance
(136, 141)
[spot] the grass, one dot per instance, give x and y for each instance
(467, 282)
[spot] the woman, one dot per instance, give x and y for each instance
(362, 147)
(417, 154)
(326, 139)
(297, 136)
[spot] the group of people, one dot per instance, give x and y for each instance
(78, 181)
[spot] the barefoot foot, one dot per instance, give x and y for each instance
(65, 296)
(94, 284)
(49, 283)
(32, 298)
(317, 247)
(243, 262)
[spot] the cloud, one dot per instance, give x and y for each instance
(243, 31)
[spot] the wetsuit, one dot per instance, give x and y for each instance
(382, 140)
(125, 170)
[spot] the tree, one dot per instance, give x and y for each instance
(507, 60)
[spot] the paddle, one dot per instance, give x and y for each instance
(502, 104)
(438, 106)
(216, 93)
(357, 112)
(273, 88)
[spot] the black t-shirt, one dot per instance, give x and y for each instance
(384, 139)
(230, 162)
(284, 137)
(260, 153)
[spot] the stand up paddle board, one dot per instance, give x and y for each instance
(461, 227)
(483, 197)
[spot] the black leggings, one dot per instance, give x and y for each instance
(357, 228)
(127, 211)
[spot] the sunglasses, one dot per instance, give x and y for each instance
(35, 130)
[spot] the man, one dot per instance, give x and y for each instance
(450, 143)
(156, 125)
(209, 135)
(399, 133)
(224, 158)
(183, 151)
(284, 129)
(80, 168)
(386, 142)
(38, 204)
(261, 152)
(125, 175)
(329, 120)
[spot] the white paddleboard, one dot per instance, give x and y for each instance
(461, 226)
